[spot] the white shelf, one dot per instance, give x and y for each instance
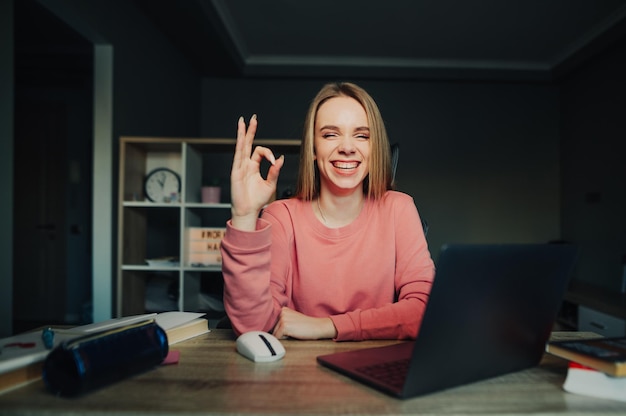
(150, 204)
(203, 205)
(150, 268)
(149, 229)
(202, 268)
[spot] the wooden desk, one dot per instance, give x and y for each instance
(211, 378)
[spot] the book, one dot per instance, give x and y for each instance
(21, 376)
(204, 246)
(602, 354)
(181, 326)
(22, 355)
(587, 381)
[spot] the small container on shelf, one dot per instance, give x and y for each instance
(212, 194)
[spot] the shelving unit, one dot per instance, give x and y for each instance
(149, 230)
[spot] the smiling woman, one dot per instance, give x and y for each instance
(348, 98)
(342, 149)
(346, 257)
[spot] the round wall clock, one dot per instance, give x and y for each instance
(162, 184)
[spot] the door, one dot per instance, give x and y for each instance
(53, 129)
(39, 278)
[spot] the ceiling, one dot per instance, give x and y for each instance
(536, 40)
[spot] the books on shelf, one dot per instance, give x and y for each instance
(587, 381)
(23, 355)
(203, 246)
(603, 354)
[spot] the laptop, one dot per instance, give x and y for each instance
(491, 311)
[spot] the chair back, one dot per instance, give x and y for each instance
(395, 155)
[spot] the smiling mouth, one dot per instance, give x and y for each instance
(346, 165)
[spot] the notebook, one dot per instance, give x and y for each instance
(490, 312)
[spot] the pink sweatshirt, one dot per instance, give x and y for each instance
(371, 277)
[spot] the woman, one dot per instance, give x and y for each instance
(346, 258)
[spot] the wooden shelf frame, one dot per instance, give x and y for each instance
(145, 227)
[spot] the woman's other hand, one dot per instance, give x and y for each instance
(297, 325)
(249, 190)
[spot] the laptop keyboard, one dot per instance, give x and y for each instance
(391, 373)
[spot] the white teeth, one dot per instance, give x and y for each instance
(345, 165)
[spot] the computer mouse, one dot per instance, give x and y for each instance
(260, 347)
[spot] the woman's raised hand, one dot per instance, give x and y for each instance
(249, 190)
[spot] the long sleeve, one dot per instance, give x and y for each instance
(413, 276)
(371, 277)
(246, 270)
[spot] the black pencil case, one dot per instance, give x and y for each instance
(86, 363)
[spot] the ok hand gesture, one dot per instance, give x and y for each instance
(249, 190)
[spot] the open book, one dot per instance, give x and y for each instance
(22, 355)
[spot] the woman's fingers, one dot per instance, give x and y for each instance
(278, 330)
(274, 170)
(249, 189)
(245, 138)
(239, 146)
(261, 153)
(243, 147)
(251, 129)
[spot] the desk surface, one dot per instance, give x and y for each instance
(211, 378)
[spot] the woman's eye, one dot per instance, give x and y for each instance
(327, 135)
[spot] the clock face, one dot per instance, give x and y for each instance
(162, 184)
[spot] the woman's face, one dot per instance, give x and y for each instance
(342, 145)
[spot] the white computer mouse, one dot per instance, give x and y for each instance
(260, 347)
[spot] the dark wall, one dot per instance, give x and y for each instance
(6, 165)
(593, 125)
(53, 86)
(480, 159)
(156, 91)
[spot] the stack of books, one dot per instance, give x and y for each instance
(597, 366)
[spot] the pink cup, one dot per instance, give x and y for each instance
(211, 194)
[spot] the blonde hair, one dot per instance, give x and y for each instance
(379, 178)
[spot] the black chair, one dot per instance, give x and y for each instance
(395, 155)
